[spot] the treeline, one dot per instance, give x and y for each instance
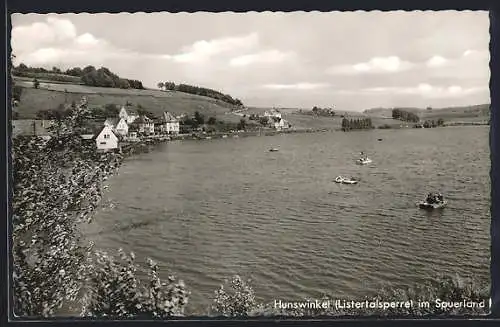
(356, 124)
(89, 75)
(323, 111)
(431, 123)
(186, 88)
(405, 116)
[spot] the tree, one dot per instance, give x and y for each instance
(131, 298)
(235, 298)
(17, 91)
(199, 118)
(62, 177)
(36, 83)
(212, 121)
(242, 124)
(111, 110)
(161, 85)
(264, 120)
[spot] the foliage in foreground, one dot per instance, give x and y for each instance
(239, 300)
(113, 290)
(56, 186)
(235, 298)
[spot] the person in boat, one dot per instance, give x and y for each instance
(440, 197)
(362, 156)
(431, 199)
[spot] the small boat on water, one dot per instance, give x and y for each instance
(426, 205)
(379, 139)
(345, 180)
(274, 150)
(433, 201)
(363, 161)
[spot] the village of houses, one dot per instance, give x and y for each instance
(131, 127)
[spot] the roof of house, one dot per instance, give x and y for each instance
(142, 120)
(168, 118)
(131, 111)
(118, 136)
(111, 121)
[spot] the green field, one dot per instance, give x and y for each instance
(51, 95)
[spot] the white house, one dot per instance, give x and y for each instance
(118, 125)
(281, 124)
(122, 127)
(273, 113)
(106, 139)
(129, 115)
(169, 124)
(145, 125)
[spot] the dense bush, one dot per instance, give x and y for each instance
(237, 298)
(113, 290)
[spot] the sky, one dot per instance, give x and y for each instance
(346, 60)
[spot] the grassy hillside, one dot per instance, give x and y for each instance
(477, 112)
(51, 95)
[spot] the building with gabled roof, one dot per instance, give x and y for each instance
(145, 125)
(169, 124)
(129, 114)
(106, 139)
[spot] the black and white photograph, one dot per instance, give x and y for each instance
(254, 164)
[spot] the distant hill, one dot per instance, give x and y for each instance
(103, 77)
(475, 111)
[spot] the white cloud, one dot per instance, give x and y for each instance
(297, 86)
(51, 32)
(271, 56)
(376, 65)
(201, 51)
(436, 61)
(88, 40)
(56, 42)
(479, 54)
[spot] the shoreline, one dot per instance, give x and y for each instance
(145, 145)
(129, 148)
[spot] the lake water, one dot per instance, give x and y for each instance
(206, 210)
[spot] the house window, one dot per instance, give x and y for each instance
(103, 143)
